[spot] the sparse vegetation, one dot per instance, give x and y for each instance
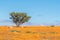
(15, 31)
(29, 33)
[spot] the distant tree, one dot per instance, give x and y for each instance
(52, 26)
(19, 18)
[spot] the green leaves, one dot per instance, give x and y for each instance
(19, 17)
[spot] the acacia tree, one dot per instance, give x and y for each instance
(19, 18)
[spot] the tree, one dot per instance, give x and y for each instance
(19, 18)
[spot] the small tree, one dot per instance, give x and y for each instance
(19, 18)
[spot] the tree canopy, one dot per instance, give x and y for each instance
(19, 17)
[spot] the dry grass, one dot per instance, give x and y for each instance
(30, 33)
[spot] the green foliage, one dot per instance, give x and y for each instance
(19, 18)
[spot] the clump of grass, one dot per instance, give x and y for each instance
(15, 31)
(12, 30)
(28, 31)
(43, 32)
(53, 32)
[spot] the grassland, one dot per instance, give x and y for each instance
(30, 33)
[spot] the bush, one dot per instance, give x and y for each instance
(52, 26)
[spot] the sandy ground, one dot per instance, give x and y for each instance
(30, 33)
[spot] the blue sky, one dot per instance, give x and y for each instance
(41, 11)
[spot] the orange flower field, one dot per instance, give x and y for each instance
(30, 33)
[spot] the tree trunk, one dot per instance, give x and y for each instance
(17, 24)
